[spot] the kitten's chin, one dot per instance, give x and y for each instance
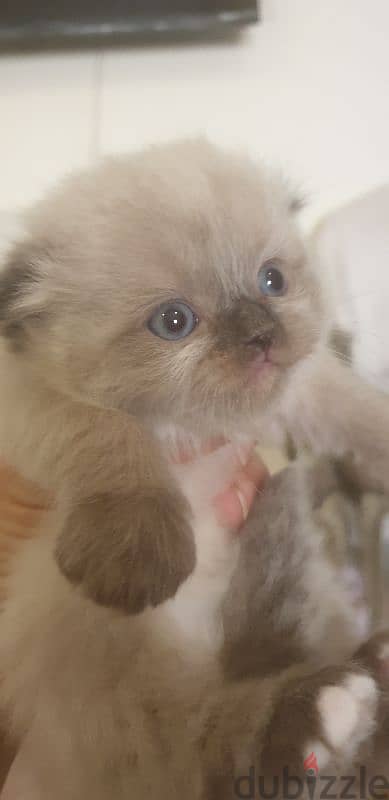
(261, 368)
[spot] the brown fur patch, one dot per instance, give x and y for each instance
(128, 551)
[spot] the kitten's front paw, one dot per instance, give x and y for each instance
(347, 714)
(331, 715)
(128, 551)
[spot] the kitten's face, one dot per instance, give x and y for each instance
(172, 285)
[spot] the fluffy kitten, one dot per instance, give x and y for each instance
(247, 666)
(163, 292)
(159, 292)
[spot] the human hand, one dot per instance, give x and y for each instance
(224, 474)
(22, 505)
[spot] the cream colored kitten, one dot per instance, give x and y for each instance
(246, 667)
(168, 290)
(164, 290)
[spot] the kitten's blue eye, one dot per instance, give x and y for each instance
(271, 280)
(173, 320)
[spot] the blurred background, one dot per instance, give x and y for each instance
(306, 88)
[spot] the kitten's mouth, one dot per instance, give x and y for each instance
(261, 365)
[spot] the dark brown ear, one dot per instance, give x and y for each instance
(22, 297)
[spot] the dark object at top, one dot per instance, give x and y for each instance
(29, 21)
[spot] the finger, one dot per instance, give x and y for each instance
(229, 509)
(19, 515)
(256, 471)
(21, 491)
(14, 531)
(11, 529)
(8, 545)
(233, 505)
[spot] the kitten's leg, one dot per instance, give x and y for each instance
(333, 714)
(128, 540)
(274, 725)
(335, 411)
(274, 615)
(128, 550)
(133, 549)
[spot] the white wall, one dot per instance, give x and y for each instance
(307, 89)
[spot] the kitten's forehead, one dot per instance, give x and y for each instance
(208, 222)
(175, 219)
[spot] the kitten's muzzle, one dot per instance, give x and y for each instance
(250, 324)
(262, 341)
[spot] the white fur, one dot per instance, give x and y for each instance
(348, 713)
